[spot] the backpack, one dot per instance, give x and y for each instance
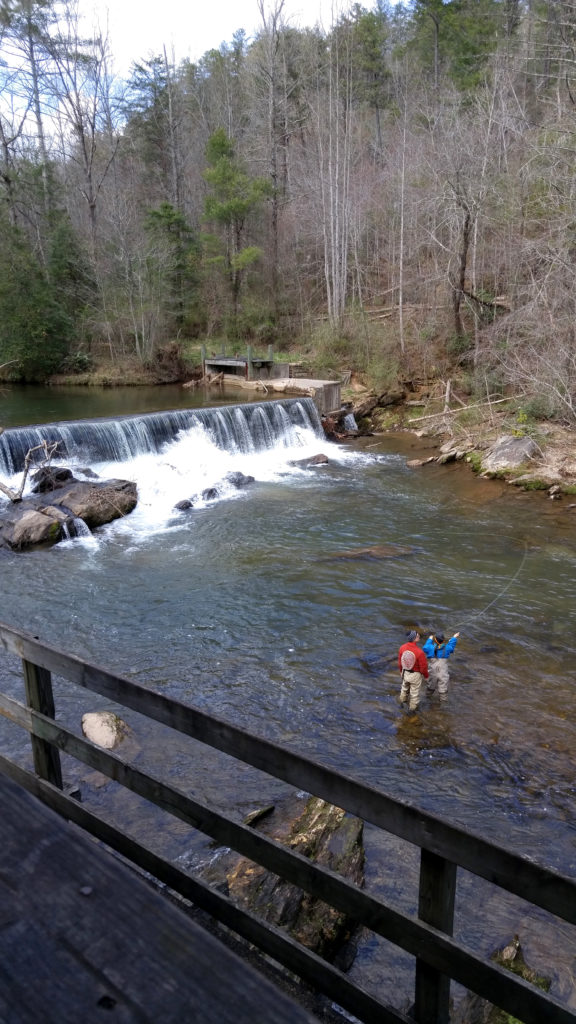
(408, 660)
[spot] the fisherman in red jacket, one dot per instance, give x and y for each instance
(413, 665)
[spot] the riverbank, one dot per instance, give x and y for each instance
(496, 439)
(541, 455)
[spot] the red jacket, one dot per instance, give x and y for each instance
(421, 663)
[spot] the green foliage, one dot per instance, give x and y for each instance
(235, 193)
(233, 199)
(174, 262)
(35, 328)
(456, 37)
(246, 257)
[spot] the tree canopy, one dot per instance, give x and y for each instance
(402, 181)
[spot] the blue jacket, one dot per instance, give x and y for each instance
(442, 651)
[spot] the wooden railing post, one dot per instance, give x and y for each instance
(40, 697)
(435, 907)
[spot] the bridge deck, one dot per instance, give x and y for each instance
(82, 938)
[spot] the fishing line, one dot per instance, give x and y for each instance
(513, 579)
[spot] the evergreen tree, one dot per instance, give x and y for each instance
(234, 198)
(35, 329)
(175, 259)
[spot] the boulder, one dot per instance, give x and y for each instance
(328, 836)
(97, 503)
(49, 477)
(509, 453)
(104, 728)
(312, 460)
(32, 528)
(34, 521)
(239, 480)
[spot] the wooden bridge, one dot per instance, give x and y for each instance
(68, 905)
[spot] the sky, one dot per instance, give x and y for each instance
(188, 28)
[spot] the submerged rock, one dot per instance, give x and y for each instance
(377, 551)
(475, 1010)
(312, 460)
(328, 836)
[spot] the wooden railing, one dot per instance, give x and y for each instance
(444, 847)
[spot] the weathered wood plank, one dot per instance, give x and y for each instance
(322, 975)
(38, 687)
(435, 906)
(520, 875)
(86, 936)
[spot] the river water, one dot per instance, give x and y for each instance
(260, 608)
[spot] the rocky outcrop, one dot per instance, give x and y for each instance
(97, 503)
(234, 479)
(325, 834)
(49, 516)
(510, 452)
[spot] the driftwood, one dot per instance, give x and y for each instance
(452, 412)
(48, 449)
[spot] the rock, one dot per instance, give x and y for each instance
(32, 528)
(510, 452)
(49, 477)
(209, 493)
(104, 728)
(328, 836)
(313, 460)
(445, 457)
(475, 1010)
(239, 480)
(377, 551)
(414, 463)
(184, 505)
(31, 522)
(98, 503)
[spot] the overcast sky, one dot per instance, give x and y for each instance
(138, 28)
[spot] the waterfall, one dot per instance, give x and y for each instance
(238, 428)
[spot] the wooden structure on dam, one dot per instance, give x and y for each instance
(267, 375)
(67, 904)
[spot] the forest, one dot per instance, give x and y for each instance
(395, 194)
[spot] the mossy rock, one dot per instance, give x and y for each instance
(475, 1010)
(328, 836)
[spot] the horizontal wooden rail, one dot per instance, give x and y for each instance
(428, 937)
(543, 887)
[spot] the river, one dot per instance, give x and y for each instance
(255, 607)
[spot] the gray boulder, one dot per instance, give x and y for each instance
(97, 503)
(48, 517)
(509, 453)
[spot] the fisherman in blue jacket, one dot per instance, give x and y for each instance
(438, 650)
